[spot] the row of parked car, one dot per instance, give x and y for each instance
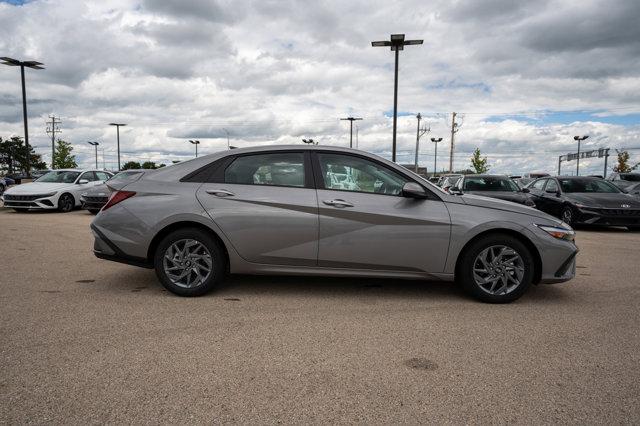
(65, 189)
(574, 199)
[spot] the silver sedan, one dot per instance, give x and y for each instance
(311, 210)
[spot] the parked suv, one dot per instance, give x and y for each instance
(278, 210)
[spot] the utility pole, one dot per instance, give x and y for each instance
(351, 119)
(397, 43)
(454, 129)
(228, 146)
(435, 155)
(579, 139)
(356, 136)
(118, 130)
(419, 133)
(36, 66)
(52, 129)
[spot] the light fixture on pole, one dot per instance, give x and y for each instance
(196, 143)
(95, 145)
(118, 129)
(435, 155)
(36, 66)
(308, 141)
(397, 43)
(351, 119)
(579, 139)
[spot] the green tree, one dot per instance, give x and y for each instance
(131, 165)
(149, 165)
(62, 157)
(479, 164)
(623, 163)
(13, 156)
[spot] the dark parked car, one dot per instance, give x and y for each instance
(633, 190)
(586, 200)
(494, 186)
(5, 182)
(94, 199)
(527, 178)
(623, 180)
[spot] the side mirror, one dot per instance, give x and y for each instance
(526, 190)
(83, 181)
(413, 190)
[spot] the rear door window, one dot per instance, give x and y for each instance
(273, 169)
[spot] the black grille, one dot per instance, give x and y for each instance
(23, 204)
(96, 199)
(619, 212)
(22, 197)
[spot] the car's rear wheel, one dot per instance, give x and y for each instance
(66, 203)
(496, 269)
(189, 262)
(93, 211)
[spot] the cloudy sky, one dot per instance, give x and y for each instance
(526, 76)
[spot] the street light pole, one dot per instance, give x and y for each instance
(196, 143)
(36, 66)
(435, 155)
(228, 146)
(118, 132)
(351, 119)
(95, 145)
(397, 43)
(579, 139)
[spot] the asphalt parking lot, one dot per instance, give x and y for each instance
(90, 341)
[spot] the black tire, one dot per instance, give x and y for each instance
(634, 228)
(66, 203)
(465, 272)
(93, 211)
(567, 215)
(218, 260)
(21, 210)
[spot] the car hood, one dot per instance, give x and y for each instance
(516, 197)
(33, 188)
(494, 203)
(99, 191)
(603, 200)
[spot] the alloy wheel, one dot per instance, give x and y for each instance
(66, 203)
(567, 216)
(498, 270)
(187, 263)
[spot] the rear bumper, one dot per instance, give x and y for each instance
(103, 248)
(92, 203)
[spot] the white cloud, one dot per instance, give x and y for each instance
(277, 71)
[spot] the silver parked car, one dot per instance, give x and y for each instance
(287, 210)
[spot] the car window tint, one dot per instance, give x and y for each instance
(551, 186)
(90, 176)
(278, 169)
(351, 173)
(102, 176)
(539, 184)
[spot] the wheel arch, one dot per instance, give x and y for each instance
(537, 260)
(180, 225)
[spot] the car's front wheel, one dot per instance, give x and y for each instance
(189, 262)
(567, 215)
(496, 269)
(66, 203)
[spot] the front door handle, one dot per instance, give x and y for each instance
(220, 192)
(338, 203)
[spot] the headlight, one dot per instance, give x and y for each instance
(559, 232)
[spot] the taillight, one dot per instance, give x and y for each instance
(117, 197)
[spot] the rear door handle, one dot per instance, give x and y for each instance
(338, 203)
(220, 192)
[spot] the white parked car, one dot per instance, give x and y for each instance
(58, 189)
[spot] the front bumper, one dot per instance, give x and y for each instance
(612, 217)
(93, 203)
(30, 202)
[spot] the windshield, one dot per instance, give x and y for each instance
(587, 185)
(490, 183)
(58, 176)
(631, 177)
(125, 176)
